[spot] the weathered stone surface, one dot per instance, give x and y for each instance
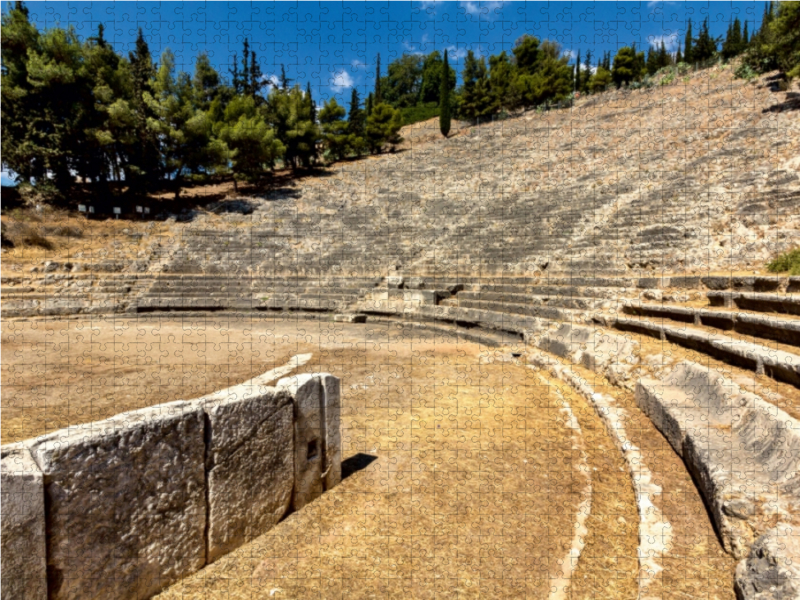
(317, 467)
(743, 452)
(249, 464)
(126, 506)
(772, 570)
(24, 563)
(332, 443)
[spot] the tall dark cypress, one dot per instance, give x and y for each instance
(444, 99)
(355, 119)
(312, 107)
(688, 54)
(245, 82)
(377, 98)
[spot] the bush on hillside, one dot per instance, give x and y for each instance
(787, 261)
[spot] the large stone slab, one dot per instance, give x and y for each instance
(317, 451)
(126, 506)
(24, 561)
(249, 464)
(743, 452)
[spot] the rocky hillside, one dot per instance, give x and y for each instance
(700, 176)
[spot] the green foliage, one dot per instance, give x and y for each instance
(291, 115)
(253, 145)
(705, 47)
(745, 71)
(600, 80)
(787, 261)
(625, 67)
(383, 126)
(476, 98)
(420, 112)
(776, 45)
(335, 136)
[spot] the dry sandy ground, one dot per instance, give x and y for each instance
(462, 476)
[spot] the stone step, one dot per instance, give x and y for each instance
(785, 330)
(778, 364)
(761, 302)
(744, 452)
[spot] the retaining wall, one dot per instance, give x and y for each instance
(125, 507)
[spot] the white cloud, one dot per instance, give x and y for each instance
(271, 79)
(570, 54)
(428, 6)
(357, 64)
(653, 3)
(457, 53)
(412, 49)
(482, 10)
(670, 41)
(341, 80)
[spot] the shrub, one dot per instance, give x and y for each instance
(787, 261)
(745, 71)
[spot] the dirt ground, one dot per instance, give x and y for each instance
(462, 478)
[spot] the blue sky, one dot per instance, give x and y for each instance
(333, 45)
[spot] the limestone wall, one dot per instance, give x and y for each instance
(124, 507)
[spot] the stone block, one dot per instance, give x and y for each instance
(24, 560)
(126, 505)
(317, 451)
(249, 464)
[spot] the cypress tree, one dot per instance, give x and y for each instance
(377, 98)
(255, 75)
(245, 84)
(444, 99)
(355, 118)
(370, 101)
(679, 55)
(688, 55)
(312, 106)
(745, 37)
(235, 81)
(285, 81)
(578, 72)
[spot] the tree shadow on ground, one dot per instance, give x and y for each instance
(792, 102)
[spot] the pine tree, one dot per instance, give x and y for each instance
(444, 98)
(142, 167)
(705, 47)
(625, 64)
(688, 52)
(383, 126)
(334, 129)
